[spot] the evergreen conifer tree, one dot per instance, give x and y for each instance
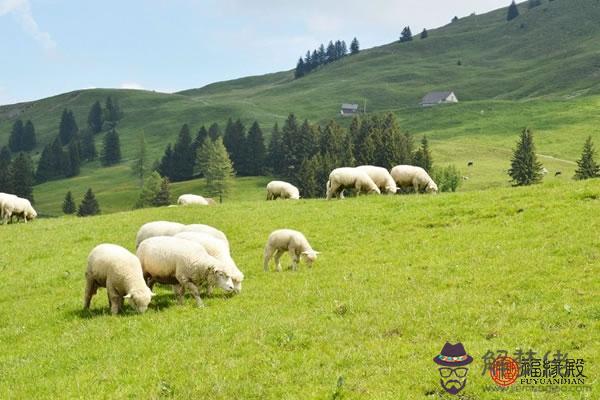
(406, 35)
(255, 152)
(300, 70)
(89, 205)
(15, 140)
(586, 166)
(88, 146)
(150, 191)
(422, 157)
(424, 34)
(68, 127)
(112, 111)
(354, 46)
(216, 167)
(22, 178)
(29, 140)
(525, 168)
(183, 156)
(275, 157)
(69, 206)
(5, 178)
(200, 136)
(513, 11)
(235, 143)
(95, 118)
(165, 167)
(111, 149)
(139, 166)
(214, 131)
(163, 197)
(74, 163)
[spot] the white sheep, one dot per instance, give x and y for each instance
(381, 177)
(12, 205)
(120, 272)
(284, 190)
(292, 241)
(416, 177)
(212, 231)
(343, 178)
(192, 200)
(219, 249)
(181, 262)
(157, 228)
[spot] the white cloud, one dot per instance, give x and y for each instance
(131, 85)
(21, 9)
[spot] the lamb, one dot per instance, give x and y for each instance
(157, 228)
(417, 177)
(120, 272)
(284, 190)
(219, 249)
(294, 242)
(342, 178)
(192, 199)
(13, 205)
(381, 177)
(177, 261)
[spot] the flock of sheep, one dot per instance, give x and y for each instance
(14, 206)
(186, 256)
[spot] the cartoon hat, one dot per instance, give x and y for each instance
(453, 355)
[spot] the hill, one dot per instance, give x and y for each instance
(497, 269)
(515, 72)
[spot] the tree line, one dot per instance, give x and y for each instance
(321, 56)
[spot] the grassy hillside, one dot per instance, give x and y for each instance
(515, 72)
(397, 278)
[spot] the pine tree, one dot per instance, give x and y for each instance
(336, 144)
(95, 118)
(513, 11)
(422, 157)
(214, 131)
(216, 167)
(300, 70)
(139, 167)
(44, 169)
(69, 206)
(89, 205)
(235, 143)
(586, 166)
(406, 35)
(183, 156)
(344, 49)
(67, 128)
(200, 137)
(149, 191)
(330, 55)
(255, 152)
(15, 141)
(354, 46)
(74, 164)
(112, 111)
(111, 149)
(29, 140)
(22, 178)
(321, 55)
(275, 157)
(306, 179)
(5, 178)
(525, 168)
(424, 34)
(165, 167)
(288, 146)
(163, 197)
(88, 146)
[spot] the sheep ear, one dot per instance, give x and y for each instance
(127, 296)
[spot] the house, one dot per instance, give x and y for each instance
(435, 98)
(349, 110)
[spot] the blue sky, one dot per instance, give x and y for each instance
(50, 47)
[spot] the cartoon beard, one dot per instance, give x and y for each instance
(453, 386)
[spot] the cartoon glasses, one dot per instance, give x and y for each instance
(459, 372)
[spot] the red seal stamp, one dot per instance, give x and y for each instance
(504, 371)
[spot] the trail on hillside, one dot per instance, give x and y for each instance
(557, 159)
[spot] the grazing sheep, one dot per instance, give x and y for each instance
(343, 178)
(544, 171)
(157, 228)
(212, 231)
(294, 242)
(470, 164)
(276, 189)
(558, 173)
(465, 178)
(12, 205)
(210, 201)
(417, 177)
(181, 262)
(120, 272)
(381, 177)
(219, 249)
(192, 200)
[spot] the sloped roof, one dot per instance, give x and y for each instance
(435, 97)
(349, 106)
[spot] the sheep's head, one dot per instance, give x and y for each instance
(222, 280)
(237, 282)
(140, 298)
(391, 189)
(431, 187)
(310, 256)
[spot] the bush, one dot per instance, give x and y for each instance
(448, 178)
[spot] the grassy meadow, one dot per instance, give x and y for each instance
(398, 276)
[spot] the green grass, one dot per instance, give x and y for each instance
(515, 71)
(397, 278)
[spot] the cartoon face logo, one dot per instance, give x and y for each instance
(452, 361)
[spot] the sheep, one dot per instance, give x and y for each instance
(192, 200)
(381, 177)
(120, 272)
(545, 171)
(294, 242)
(558, 173)
(157, 228)
(417, 177)
(212, 231)
(342, 178)
(470, 164)
(13, 205)
(219, 249)
(177, 261)
(284, 190)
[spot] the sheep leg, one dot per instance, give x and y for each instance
(295, 258)
(115, 299)
(90, 289)
(179, 292)
(267, 257)
(194, 290)
(278, 255)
